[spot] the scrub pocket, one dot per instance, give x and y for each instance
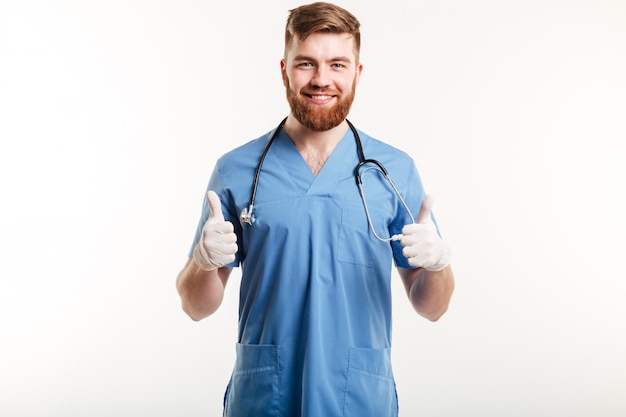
(356, 246)
(253, 388)
(370, 386)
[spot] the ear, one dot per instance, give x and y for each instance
(283, 71)
(357, 75)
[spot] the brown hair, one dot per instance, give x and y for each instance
(321, 17)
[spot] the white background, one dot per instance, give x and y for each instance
(112, 114)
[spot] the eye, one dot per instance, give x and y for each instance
(340, 66)
(305, 65)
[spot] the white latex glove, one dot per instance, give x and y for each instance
(422, 244)
(218, 244)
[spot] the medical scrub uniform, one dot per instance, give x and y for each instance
(315, 299)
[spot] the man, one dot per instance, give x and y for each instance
(315, 301)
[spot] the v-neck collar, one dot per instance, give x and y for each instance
(299, 171)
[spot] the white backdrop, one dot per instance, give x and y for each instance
(112, 114)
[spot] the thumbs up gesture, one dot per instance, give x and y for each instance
(218, 244)
(422, 244)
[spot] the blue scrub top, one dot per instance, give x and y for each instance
(315, 298)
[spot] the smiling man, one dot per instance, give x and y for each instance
(316, 255)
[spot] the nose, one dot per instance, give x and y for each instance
(321, 78)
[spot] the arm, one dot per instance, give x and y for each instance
(429, 292)
(201, 292)
(429, 286)
(202, 280)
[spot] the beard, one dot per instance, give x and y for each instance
(319, 118)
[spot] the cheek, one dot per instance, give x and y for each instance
(348, 84)
(295, 81)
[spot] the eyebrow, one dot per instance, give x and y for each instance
(336, 59)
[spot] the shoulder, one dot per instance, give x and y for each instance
(378, 149)
(249, 151)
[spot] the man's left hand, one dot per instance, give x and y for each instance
(422, 244)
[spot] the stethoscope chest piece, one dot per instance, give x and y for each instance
(247, 216)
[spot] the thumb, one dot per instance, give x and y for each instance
(215, 205)
(424, 215)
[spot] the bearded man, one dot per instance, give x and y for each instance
(315, 246)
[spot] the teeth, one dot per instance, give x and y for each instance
(322, 97)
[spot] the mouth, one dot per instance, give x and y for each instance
(320, 98)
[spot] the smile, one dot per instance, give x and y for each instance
(320, 99)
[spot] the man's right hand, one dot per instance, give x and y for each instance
(218, 244)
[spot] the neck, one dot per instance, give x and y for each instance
(304, 137)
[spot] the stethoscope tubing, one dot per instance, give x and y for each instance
(247, 214)
(359, 183)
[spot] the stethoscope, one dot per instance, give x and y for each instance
(247, 214)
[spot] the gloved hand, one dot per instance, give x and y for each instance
(422, 245)
(218, 244)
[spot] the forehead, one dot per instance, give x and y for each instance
(321, 45)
